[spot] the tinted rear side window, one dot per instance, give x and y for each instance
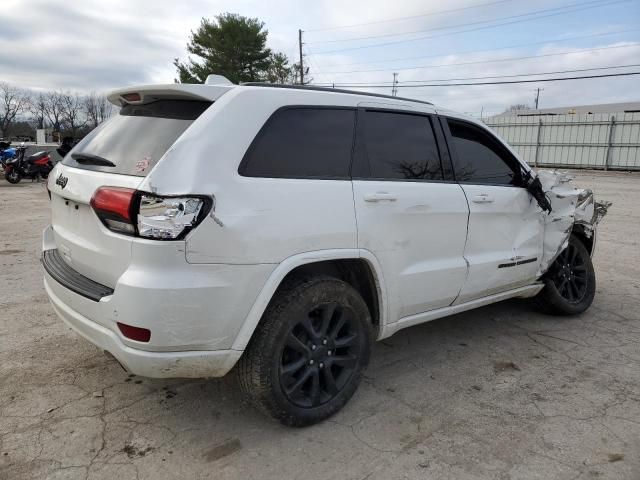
(302, 142)
(136, 138)
(397, 146)
(480, 158)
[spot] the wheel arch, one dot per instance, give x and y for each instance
(586, 237)
(357, 267)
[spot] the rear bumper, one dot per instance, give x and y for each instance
(194, 312)
(185, 364)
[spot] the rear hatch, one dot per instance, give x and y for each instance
(119, 153)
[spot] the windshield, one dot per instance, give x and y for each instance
(132, 142)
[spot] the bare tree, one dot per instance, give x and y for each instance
(38, 109)
(53, 109)
(97, 108)
(72, 112)
(13, 101)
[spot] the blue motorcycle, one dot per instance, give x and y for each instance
(7, 152)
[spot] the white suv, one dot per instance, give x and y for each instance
(286, 229)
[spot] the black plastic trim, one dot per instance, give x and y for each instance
(66, 276)
(332, 90)
(520, 262)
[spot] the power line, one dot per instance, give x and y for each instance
(488, 61)
(493, 83)
(488, 77)
(446, 27)
(314, 67)
(397, 19)
(396, 42)
(543, 42)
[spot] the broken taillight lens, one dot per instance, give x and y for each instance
(132, 212)
(168, 217)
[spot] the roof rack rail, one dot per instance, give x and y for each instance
(329, 89)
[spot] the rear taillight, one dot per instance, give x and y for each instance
(128, 211)
(114, 207)
(168, 217)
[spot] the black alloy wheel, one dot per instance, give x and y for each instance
(570, 282)
(569, 274)
(320, 355)
(308, 354)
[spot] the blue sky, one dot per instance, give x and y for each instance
(102, 44)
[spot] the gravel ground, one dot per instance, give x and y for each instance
(501, 392)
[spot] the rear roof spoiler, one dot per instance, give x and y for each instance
(184, 91)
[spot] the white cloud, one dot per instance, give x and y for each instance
(102, 44)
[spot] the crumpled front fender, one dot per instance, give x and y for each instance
(570, 206)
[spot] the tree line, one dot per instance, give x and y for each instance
(67, 114)
(229, 44)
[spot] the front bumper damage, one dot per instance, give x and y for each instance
(570, 206)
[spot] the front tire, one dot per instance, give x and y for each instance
(570, 282)
(13, 176)
(306, 358)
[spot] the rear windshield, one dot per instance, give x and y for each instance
(133, 141)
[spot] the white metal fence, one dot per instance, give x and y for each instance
(603, 141)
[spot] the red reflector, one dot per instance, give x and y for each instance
(135, 333)
(131, 97)
(114, 201)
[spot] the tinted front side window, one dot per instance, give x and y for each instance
(134, 140)
(480, 158)
(302, 143)
(398, 146)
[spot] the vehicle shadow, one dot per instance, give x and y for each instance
(467, 345)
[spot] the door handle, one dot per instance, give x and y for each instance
(482, 198)
(379, 197)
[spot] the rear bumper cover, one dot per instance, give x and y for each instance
(185, 364)
(194, 312)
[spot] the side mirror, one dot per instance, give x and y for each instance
(534, 187)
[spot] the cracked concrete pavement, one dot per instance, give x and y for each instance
(502, 392)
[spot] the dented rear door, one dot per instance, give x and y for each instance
(408, 215)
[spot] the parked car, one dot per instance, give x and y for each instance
(284, 230)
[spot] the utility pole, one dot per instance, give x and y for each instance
(394, 88)
(538, 90)
(301, 64)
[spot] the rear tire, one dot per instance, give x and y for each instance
(306, 358)
(570, 282)
(13, 176)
